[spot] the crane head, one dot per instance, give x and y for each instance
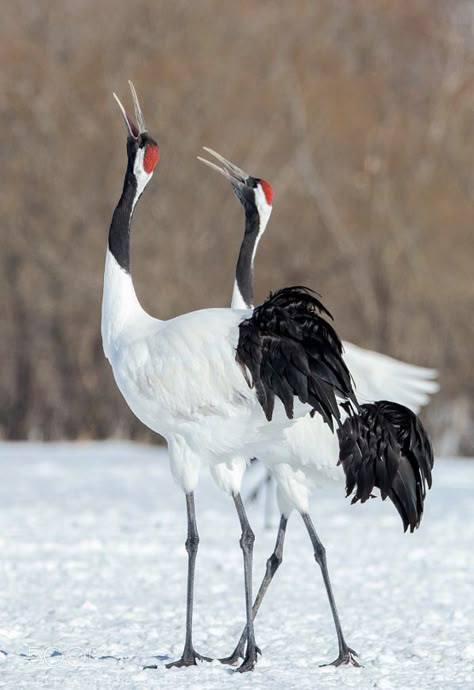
(252, 192)
(143, 152)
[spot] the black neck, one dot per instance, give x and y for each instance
(244, 270)
(119, 233)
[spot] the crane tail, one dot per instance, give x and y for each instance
(384, 445)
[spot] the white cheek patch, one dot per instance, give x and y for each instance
(263, 207)
(141, 176)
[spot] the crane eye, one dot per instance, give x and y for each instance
(151, 157)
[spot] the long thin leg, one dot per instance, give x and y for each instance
(346, 654)
(273, 564)
(190, 656)
(246, 543)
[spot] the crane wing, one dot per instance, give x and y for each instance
(287, 349)
(378, 376)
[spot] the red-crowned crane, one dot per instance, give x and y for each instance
(384, 445)
(215, 382)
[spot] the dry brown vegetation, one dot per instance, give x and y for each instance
(359, 112)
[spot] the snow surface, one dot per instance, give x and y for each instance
(93, 571)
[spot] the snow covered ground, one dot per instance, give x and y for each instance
(93, 569)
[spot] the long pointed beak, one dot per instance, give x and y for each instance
(133, 129)
(138, 111)
(228, 169)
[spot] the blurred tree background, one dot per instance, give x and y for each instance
(359, 112)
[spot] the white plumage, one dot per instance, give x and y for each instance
(181, 379)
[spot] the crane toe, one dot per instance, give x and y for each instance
(189, 659)
(347, 657)
(248, 664)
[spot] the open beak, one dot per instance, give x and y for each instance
(228, 169)
(133, 129)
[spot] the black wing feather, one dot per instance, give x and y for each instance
(384, 445)
(287, 349)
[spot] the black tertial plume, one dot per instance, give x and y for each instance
(288, 350)
(385, 445)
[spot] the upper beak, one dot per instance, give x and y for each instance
(228, 169)
(134, 129)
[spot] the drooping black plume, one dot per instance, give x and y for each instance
(290, 350)
(385, 445)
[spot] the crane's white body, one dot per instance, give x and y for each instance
(181, 379)
(304, 455)
(308, 457)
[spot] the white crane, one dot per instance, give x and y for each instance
(311, 450)
(210, 381)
